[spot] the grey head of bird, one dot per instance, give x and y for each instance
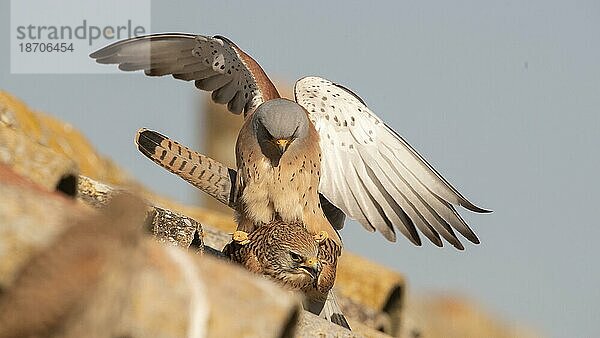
(279, 125)
(291, 255)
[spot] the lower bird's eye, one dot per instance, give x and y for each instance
(295, 257)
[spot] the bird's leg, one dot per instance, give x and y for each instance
(321, 236)
(240, 237)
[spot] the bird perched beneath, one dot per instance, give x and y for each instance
(312, 160)
(289, 255)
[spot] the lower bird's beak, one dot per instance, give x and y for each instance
(311, 266)
(282, 145)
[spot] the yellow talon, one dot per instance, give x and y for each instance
(240, 237)
(321, 236)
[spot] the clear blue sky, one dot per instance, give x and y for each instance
(503, 99)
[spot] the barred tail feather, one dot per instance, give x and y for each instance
(201, 171)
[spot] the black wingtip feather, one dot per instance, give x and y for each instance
(416, 240)
(111, 47)
(473, 239)
(458, 246)
(477, 209)
(96, 54)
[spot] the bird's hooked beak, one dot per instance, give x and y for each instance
(282, 144)
(311, 266)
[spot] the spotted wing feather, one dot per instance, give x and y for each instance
(373, 175)
(215, 64)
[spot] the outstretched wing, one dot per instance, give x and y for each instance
(373, 175)
(215, 64)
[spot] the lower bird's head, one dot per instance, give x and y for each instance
(292, 255)
(278, 124)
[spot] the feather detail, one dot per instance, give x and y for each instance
(201, 171)
(214, 63)
(373, 175)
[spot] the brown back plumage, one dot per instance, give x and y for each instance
(267, 253)
(268, 244)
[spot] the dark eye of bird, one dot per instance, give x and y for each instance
(295, 257)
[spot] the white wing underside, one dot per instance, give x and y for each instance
(375, 176)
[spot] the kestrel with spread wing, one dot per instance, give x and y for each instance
(312, 160)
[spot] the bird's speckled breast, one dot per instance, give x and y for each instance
(287, 191)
